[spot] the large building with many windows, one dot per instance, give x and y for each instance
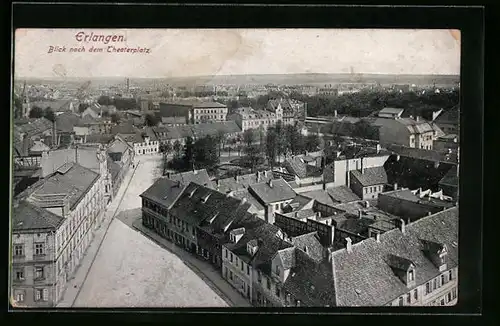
(53, 223)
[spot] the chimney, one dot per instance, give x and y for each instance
(377, 237)
(429, 213)
(318, 214)
(359, 213)
(271, 183)
(258, 176)
(378, 148)
(401, 225)
(243, 201)
(335, 113)
(417, 119)
(367, 203)
(395, 186)
(76, 154)
(348, 244)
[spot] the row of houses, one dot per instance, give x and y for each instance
(54, 220)
(294, 253)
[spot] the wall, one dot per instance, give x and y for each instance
(405, 208)
(341, 167)
(28, 263)
(241, 280)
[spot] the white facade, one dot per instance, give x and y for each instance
(147, 147)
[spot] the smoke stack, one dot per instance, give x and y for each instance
(348, 244)
(335, 113)
(395, 186)
(271, 183)
(378, 148)
(377, 237)
(401, 225)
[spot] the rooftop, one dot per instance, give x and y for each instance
(424, 154)
(342, 194)
(164, 191)
(26, 216)
(370, 176)
(243, 181)
(363, 277)
(199, 177)
(273, 191)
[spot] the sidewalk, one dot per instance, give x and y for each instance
(204, 269)
(76, 282)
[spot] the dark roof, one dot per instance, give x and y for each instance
(244, 194)
(198, 204)
(73, 181)
(34, 127)
(164, 191)
(197, 176)
(364, 277)
(370, 176)
(66, 121)
(99, 138)
(424, 154)
(213, 128)
(449, 116)
(26, 216)
(311, 282)
(450, 178)
(87, 157)
(309, 243)
(273, 191)
(243, 181)
(174, 120)
(342, 194)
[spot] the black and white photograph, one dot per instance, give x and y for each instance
(235, 168)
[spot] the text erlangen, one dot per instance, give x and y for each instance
(103, 38)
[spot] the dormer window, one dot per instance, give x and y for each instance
(411, 275)
(204, 199)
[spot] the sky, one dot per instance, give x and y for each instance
(205, 52)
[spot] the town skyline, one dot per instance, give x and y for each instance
(224, 52)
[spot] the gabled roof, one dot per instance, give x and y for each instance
(398, 262)
(99, 138)
(243, 181)
(310, 244)
(66, 121)
(164, 192)
(321, 196)
(199, 177)
(342, 194)
(424, 154)
(244, 194)
(279, 190)
(392, 111)
(370, 176)
(364, 278)
(34, 127)
(118, 146)
(26, 216)
(87, 157)
(124, 128)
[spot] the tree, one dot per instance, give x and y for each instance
(253, 155)
(248, 137)
(188, 157)
(205, 152)
(312, 142)
(220, 138)
(49, 114)
(115, 118)
(36, 112)
(177, 148)
(271, 145)
(151, 120)
(105, 113)
(82, 107)
(294, 141)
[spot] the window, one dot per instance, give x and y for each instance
(20, 296)
(19, 273)
(401, 301)
(443, 279)
(259, 277)
(225, 252)
(278, 292)
(38, 294)
(415, 294)
(411, 275)
(454, 293)
(277, 206)
(277, 270)
(450, 275)
(435, 284)
(39, 249)
(297, 303)
(231, 257)
(248, 269)
(268, 283)
(442, 301)
(231, 275)
(408, 298)
(448, 297)
(39, 273)
(427, 288)
(18, 250)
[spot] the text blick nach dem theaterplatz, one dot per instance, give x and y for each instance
(102, 43)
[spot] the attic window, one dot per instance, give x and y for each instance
(411, 275)
(204, 200)
(192, 192)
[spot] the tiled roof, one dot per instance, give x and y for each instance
(118, 146)
(66, 121)
(297, 203)
(56, 106)
(243, 181)
(209, 105)
(449, 116)
(311, 282)
(199, 177)
(309, 243)
(243, 193)
(450, 178)
(391, 111)
(278, 190)
(132, 138)
(26, 216)
(87, 157)
(342, 194)
(364, 277)
(99, 138)
(164, 191)
(297, 166)
(213, 128)
(321, 196)
(370, 176)
(75, 183)
(174, 120)
(124, 128)
(34, 127)
(424, 154)
(197, 204)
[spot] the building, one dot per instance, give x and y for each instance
(352, 158)
(283, 110)
(273, 195)
(53, 225)
(144, 143)
(415, 133)
(446, 143)
(390, 113)
(449, 120)
(120, 158)
(305, 173)
(65, 124)
(413, 265)
(248, 118)
(241, 182)
(199, 177)
(368, 183)
(34, 130)
(412, 205)
(195, 112)
(449, 183)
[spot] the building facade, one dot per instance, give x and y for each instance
(248, 118)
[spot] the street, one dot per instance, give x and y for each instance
(130, 270)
